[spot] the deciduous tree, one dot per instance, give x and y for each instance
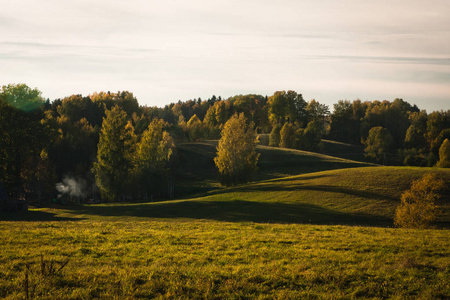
(22, 135)
(418, 208)
(444, 155)
(153, 155)
(236, 154)
(378, 143)
(274, 137)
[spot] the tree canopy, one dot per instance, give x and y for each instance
(68, 137)
(115, 154)
(236, 153)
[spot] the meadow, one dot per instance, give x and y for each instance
(309, 227)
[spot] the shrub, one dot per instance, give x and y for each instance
(418, 208)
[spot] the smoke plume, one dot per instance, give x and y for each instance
(73, 187)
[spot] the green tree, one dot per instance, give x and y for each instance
(418, 204)
(287, 106)
(152, 159)
(115, 154)
(444, 155)
(310, 138)
(127, 102)
(274, 137)
(437, 122)
(77, 107)
(22, 134)
(38, 176)
(346, 119)
(222, 112)
(236, 154)
(415, 136)
(378, 143)
(316, 111)
(22, 97)
(287, 136)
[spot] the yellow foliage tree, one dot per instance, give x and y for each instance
(195, 128)
(152, 160)
(444, 155)
(236, 154)
(418, 208)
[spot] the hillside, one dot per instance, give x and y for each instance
(276, 238)
(354, 196)
(196, 171)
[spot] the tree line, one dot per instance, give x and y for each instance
(129, 151)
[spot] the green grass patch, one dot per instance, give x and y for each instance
(366, 196)
(217, 260)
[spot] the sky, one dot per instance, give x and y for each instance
(165, 51)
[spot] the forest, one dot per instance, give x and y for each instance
(108, 144)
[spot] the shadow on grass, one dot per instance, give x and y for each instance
(33, 215)
(236, 211)
(301, 185)
(320, 188)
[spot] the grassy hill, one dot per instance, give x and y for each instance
(310, 227)
(354, 196)
(332, 148)
(343, 150)
(196, 171)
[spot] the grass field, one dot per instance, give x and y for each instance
(326, 233)
(209, 259)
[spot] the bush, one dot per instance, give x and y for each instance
(418, 208)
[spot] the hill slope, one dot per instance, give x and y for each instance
(356, 196)
(196, 171)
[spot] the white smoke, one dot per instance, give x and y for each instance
(72, 187)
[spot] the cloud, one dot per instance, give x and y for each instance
(384, 59)
(169, 50)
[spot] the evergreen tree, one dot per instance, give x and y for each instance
(236, 154)
(114, 155)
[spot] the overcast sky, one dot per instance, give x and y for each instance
(165, 51)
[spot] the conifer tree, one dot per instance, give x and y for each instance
(236, 154)
(115, 154)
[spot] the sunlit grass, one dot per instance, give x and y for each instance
(211, 259)
(319, 235)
